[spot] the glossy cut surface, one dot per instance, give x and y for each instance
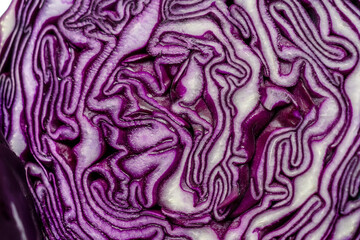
(186, 119)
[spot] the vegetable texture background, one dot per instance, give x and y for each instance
(187, 119)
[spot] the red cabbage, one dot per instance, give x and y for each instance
(18, 219)
(186, 119)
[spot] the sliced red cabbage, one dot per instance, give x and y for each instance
(195, 119)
